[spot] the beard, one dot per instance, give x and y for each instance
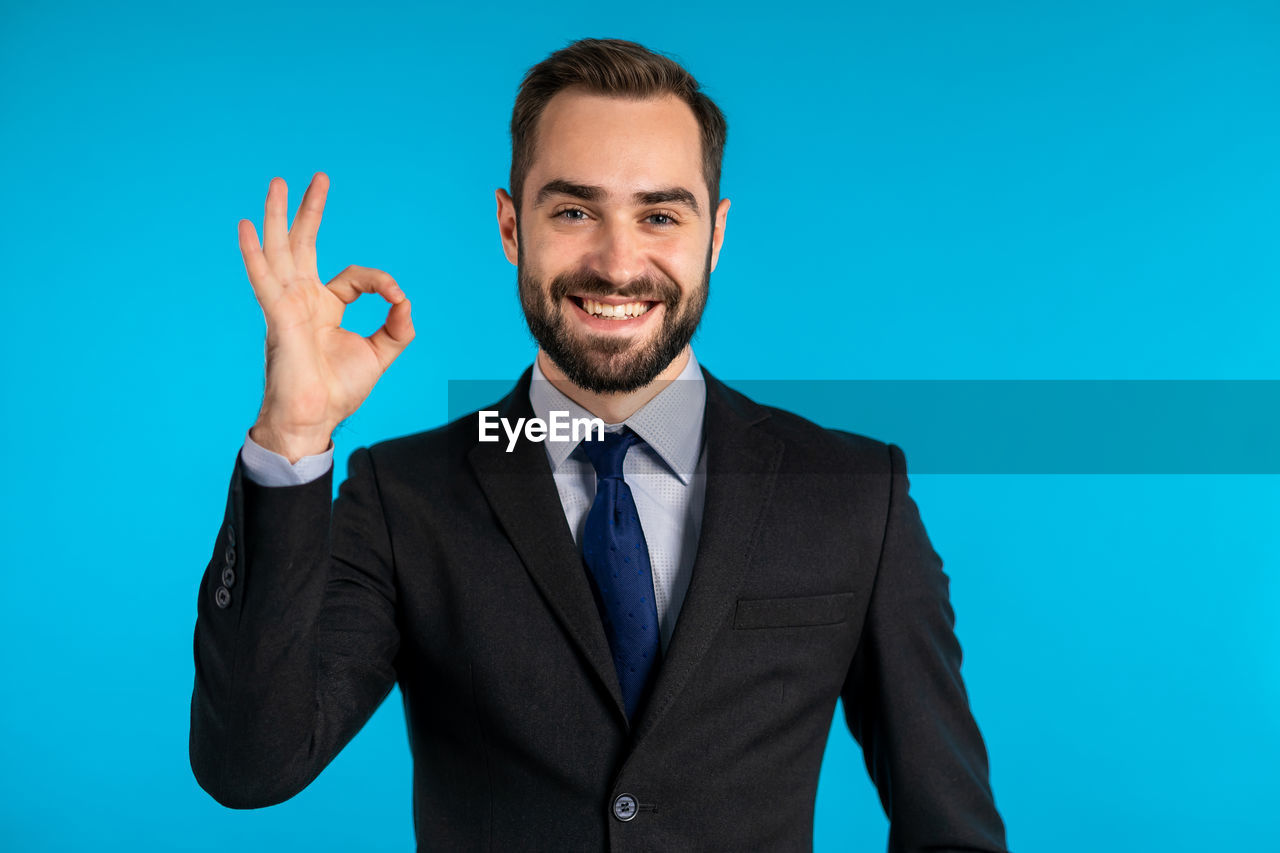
(605, 364)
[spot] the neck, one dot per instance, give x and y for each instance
(611, 408)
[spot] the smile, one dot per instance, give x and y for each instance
(612, 311)
(612, 316)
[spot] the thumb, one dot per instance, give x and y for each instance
(396, 333)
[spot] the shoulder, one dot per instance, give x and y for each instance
(832, 450)
(429, 453)
(809, 446)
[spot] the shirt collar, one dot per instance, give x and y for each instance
(670, 423)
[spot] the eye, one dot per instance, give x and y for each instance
(572, 214)
(663, 218)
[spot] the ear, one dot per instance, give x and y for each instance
(717, 234)
(507, 228)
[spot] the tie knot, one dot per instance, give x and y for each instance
(606, 456)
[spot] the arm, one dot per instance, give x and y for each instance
(298, 653)
(905, 702)
(296, 637)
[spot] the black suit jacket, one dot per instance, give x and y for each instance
(446, 565)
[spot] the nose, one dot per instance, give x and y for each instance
(617, 255)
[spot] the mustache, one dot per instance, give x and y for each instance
(587, 283)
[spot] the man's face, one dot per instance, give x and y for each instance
(617, 237)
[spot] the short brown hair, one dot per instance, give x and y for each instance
(619, 68)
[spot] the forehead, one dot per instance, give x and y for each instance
(620, 144)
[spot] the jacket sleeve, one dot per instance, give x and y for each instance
(905, 702)
(295, 637)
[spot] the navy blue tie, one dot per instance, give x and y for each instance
(617, 555)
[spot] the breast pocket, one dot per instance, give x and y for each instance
(793, 612)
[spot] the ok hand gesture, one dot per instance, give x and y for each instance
(318, 373)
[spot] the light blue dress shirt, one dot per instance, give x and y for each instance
(667, 475)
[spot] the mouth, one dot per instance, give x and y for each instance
(613, 314)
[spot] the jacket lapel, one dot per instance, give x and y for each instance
(523, 495)
(742, 463)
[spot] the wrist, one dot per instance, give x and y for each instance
(293, 444)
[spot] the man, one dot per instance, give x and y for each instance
(633, 641)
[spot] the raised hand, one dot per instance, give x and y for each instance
(317, 372)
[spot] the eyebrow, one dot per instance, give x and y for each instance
(586, 192)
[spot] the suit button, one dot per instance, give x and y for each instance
(228, 577)
(222, 597)
(624, 807)
(230, 556)
(231, 535)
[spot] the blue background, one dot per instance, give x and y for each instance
(920, 190)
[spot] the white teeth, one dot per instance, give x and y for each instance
(617, 312)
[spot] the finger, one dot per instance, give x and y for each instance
(396, 333)
(306, 223)
(264, 283)
(355, 280)
(275, 231)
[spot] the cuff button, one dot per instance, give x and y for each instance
(222, 597)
